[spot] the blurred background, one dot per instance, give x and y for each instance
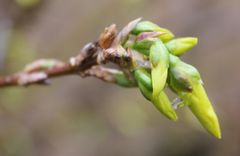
(87, 117)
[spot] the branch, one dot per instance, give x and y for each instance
(89, 62)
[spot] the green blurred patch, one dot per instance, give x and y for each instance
(27, 4)
(19, 53)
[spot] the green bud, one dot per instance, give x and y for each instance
(163, 104)
(143, 46)
(182, 75)
(146, 26)
(145, 91)
(181, 45)
(179, 80)
(144, 41)
(144, 82)
(159, 58)
(122, 80)
(201, 107)
(142, 76)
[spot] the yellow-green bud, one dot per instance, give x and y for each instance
(181, 45)
(201, 107)
(159, 58)
(161, 102)
(196, 99)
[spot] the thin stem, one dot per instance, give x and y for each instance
(89, 62)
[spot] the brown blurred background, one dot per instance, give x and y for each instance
(87, 117)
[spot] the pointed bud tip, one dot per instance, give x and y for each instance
(217, 133)
(195, 40)
(171, 115)
(191, 40)
(219, 136)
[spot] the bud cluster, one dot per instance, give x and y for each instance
(163, 51)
